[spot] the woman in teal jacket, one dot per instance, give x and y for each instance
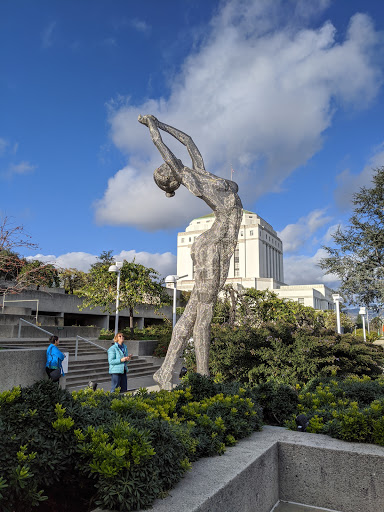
(54, 359)
(118, 358)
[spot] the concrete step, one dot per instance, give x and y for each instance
(92, 363)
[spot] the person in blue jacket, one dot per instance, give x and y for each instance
(55, 357)
(118, 358)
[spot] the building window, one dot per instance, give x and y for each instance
(198, 222)
(190, 239)
(241, 233)
(182, 240)
(251, 232)
(300, 300)
(236, 257)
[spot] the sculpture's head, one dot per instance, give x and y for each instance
(165, 180)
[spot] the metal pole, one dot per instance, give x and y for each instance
(363, 318)
(174, 306)
(117, 303)
(19, 333)
(37, 310)
(3, 301)
(77, 345)
(338, 316)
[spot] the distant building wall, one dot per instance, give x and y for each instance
(257, 262)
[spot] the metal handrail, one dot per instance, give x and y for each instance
(33, 325)
(88, 341)
(23, 300)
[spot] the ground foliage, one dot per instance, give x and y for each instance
(104, 449)
(350, 409)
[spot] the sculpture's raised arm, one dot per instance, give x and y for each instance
(168, 157)
(186, 140)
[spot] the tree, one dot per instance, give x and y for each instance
(358, 258)
(12, 237)
(138, 285)
(72, 279)
(36, 273)
(253, 308)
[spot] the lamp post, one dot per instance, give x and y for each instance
(362, 313)
(117, 268)
(336, 299)
(173, 280)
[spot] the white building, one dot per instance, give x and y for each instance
(256, 263)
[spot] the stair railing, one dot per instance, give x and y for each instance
(23, 300)
(88, 341)
(33, 325)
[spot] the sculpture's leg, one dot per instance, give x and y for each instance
(180, 336)
(202, 337)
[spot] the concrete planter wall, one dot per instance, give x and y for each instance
(277, 464)
(22, 367)
(135, 347)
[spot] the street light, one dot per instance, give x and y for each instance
(117, 268)
(173, 280)
(362, 313)
(336, 299)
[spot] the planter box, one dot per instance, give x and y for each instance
(277, 464)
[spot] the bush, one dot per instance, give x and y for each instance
(118, 452)
(351, 409)
(278, 401)
(287, 355)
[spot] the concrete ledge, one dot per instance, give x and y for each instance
(276, 464)
(135, 347)
(23, 367)
(141, 347)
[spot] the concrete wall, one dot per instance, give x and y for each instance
(277, 464)
(135, 347)
(22, 367)
(11, 331)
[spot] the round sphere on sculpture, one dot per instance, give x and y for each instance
(165, 180)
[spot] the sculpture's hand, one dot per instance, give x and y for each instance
(144, 119)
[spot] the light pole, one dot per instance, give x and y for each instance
(117, 268)
(173, 280)
(362, 313)
(336, 299)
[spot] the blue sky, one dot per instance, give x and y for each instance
(287, 92)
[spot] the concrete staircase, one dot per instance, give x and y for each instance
(91, 364)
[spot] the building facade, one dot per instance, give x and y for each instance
(256, 263)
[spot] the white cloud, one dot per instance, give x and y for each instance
(47, 35)
(256, 94)
(3, 146)
(294, 236)
(20, 169)
(305, 270)
(348, 184)
(328, 237)
(140, 25)
(132, 195)
(164, 263)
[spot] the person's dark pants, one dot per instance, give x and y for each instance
(119, 380)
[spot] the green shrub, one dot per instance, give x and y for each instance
(278, 402)
(287, 355)
(350, 409)
(118, 452)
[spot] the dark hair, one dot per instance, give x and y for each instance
(53, 339)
